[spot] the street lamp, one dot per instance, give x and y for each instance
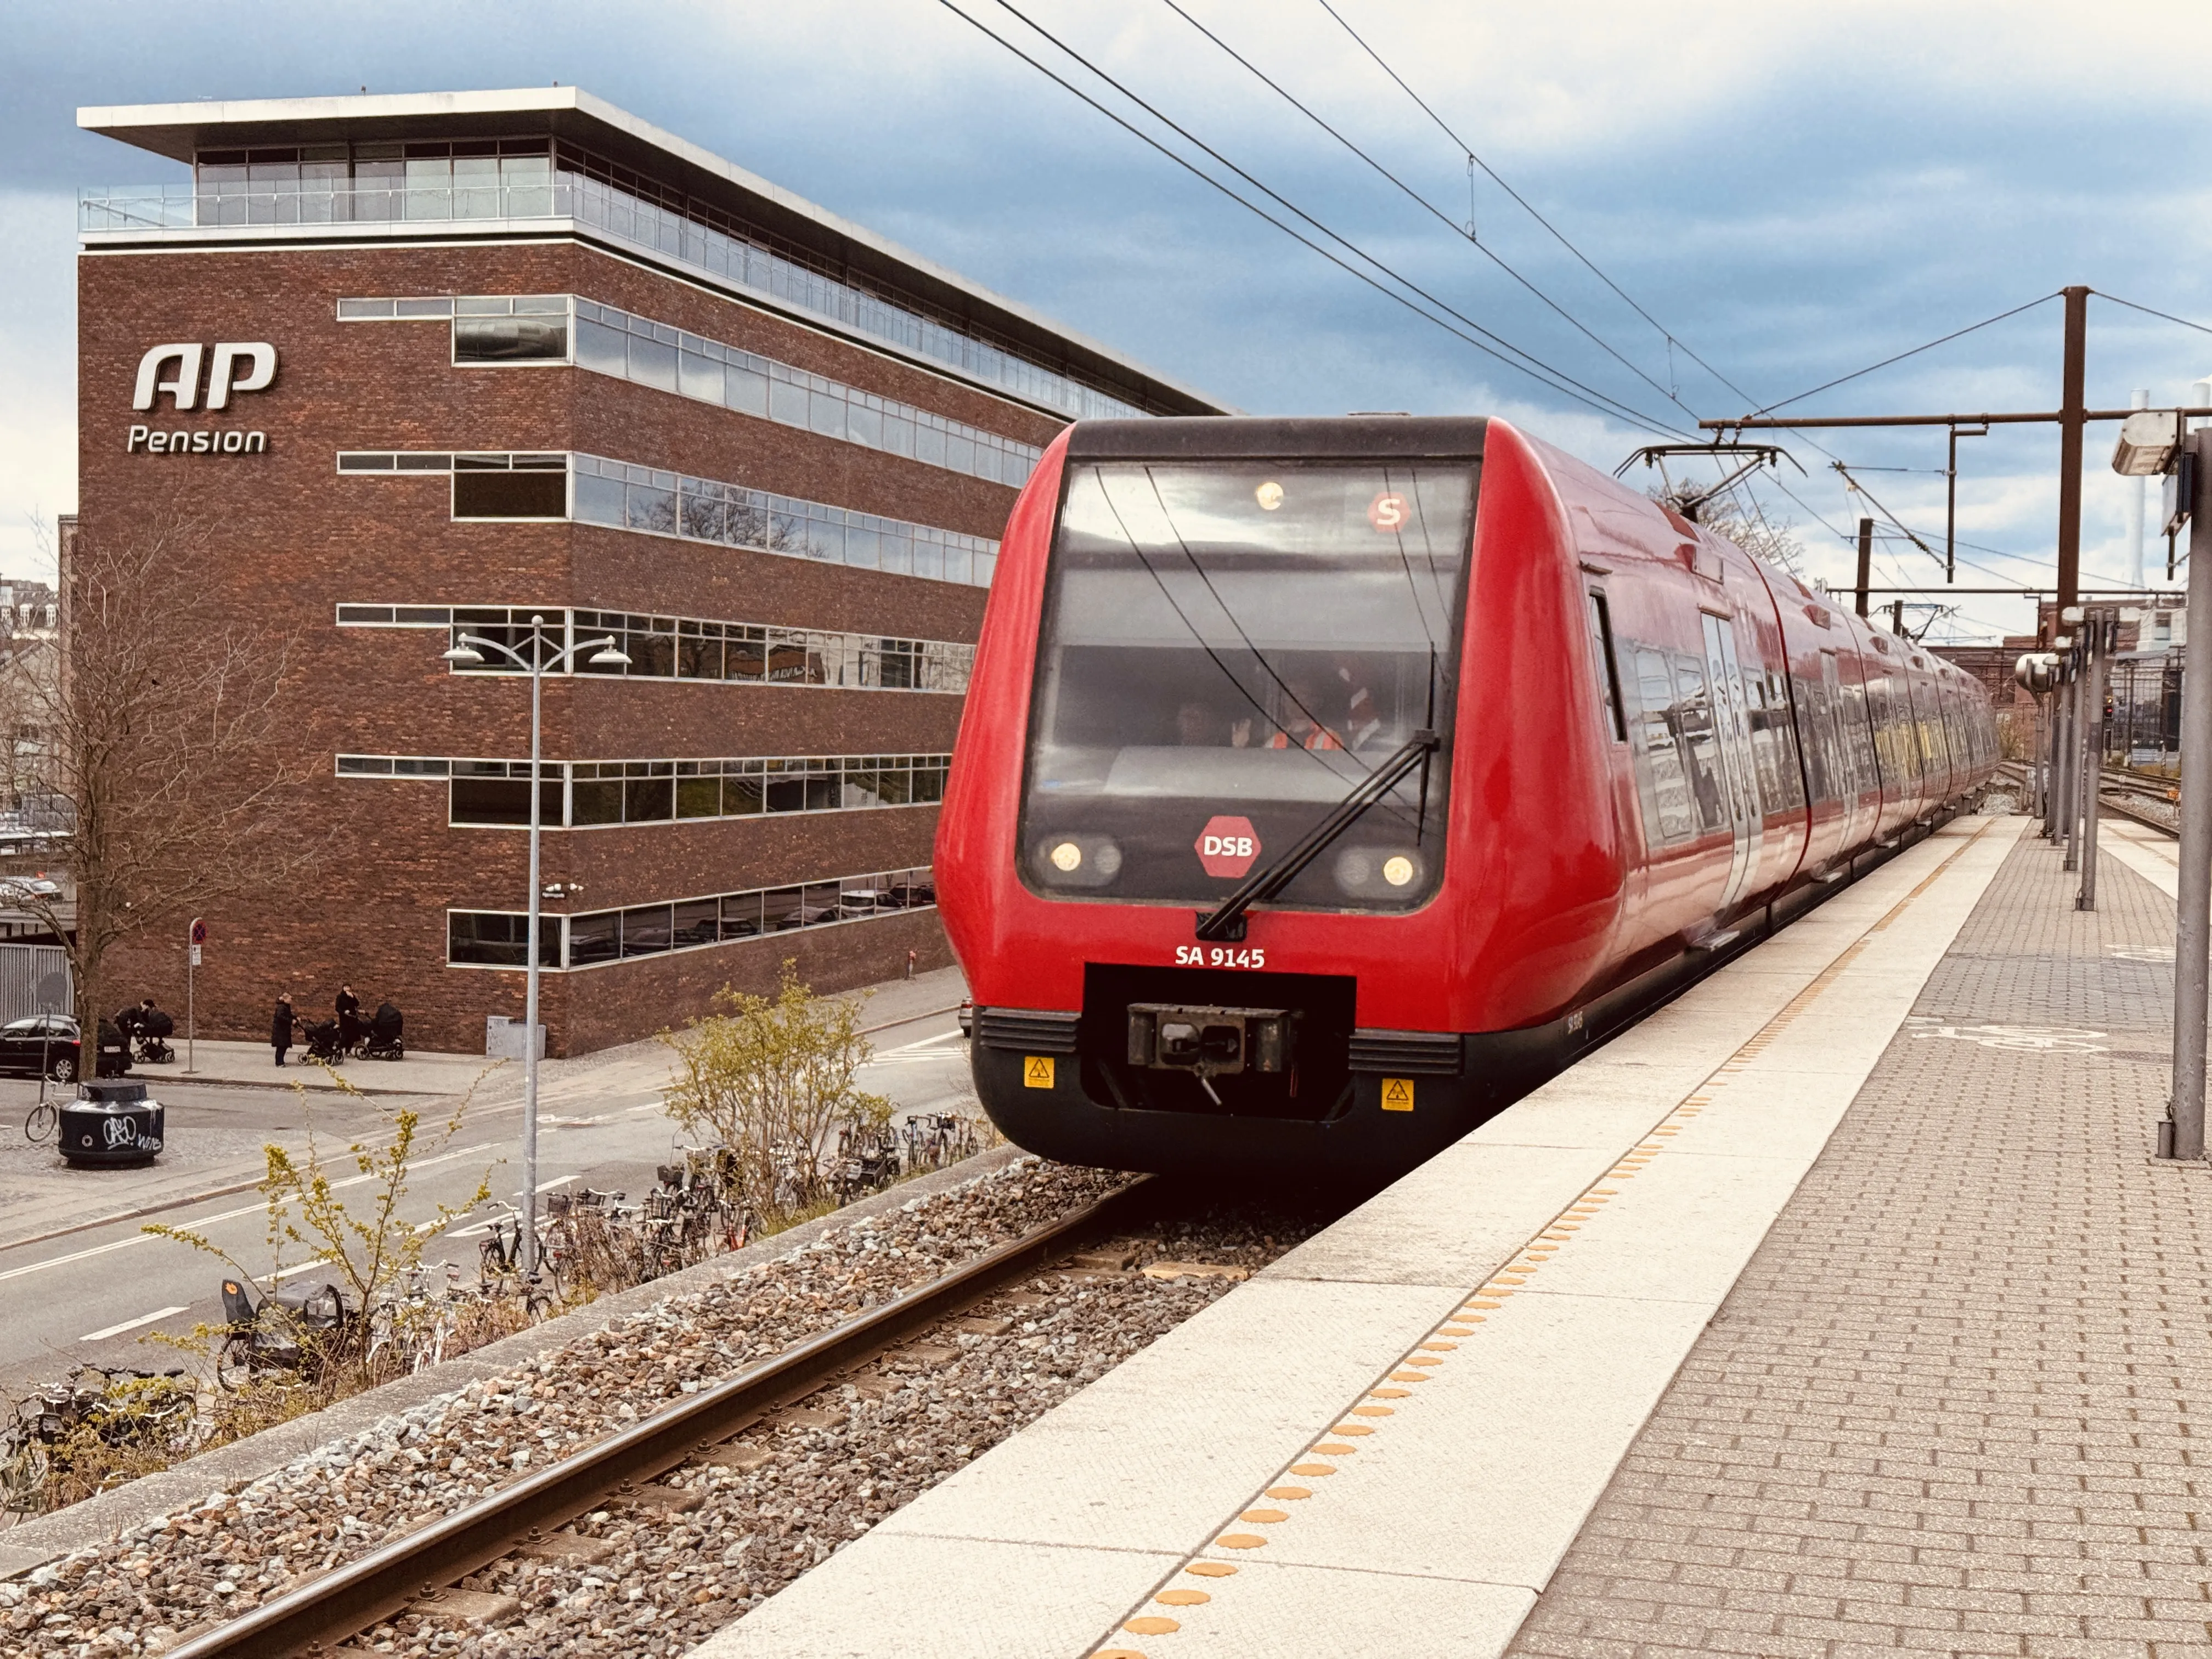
(468, 652)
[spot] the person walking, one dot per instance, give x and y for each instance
(348, 1010)
(280, 1026)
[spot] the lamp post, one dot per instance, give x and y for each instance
(468, 652)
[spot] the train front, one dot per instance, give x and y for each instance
(1204, 803)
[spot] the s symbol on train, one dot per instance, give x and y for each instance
(1227, 846)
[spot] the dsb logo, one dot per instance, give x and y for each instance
(1227, 846)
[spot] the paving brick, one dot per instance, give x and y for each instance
(1952, 1404)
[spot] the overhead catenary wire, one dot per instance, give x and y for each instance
(1554, 378)
(1428, 207)
(1856, 373)
(1672, 340)
(2163, 316)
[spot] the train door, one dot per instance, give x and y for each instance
(1847, 737)
(1732, 725)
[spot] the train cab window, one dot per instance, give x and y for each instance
(1609, 671)
(1229, 648)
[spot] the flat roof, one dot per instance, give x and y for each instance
(179, 130)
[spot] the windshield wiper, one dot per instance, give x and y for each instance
(1228, 921)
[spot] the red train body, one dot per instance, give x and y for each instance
(1650, 751)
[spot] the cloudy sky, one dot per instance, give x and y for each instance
(1792, 193)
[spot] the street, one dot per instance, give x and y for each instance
(75, 1295)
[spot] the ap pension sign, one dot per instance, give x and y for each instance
(180, 370)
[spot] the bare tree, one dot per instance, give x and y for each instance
(1750, 529)
(159, 745)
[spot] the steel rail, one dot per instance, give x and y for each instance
(318, 1614)
(2107, 801)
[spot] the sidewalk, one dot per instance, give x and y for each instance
(425, 1072)
(1958, 1401)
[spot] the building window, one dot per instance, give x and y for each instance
(522, 328)
(510, 486)
(622, 496)
(495, 794)
(498, 938)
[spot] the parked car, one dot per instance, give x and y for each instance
(50, 1043)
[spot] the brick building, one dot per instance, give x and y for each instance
(439, 363)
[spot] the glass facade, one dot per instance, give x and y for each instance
(622, 496)
(499, 939)
(511, 330)
(596, 794)
(689, 648)
(524, 179)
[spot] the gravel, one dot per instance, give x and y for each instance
(671, 1578)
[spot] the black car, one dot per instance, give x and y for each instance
(49, 1043)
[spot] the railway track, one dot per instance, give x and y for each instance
(417, 1570)
(2119, 782)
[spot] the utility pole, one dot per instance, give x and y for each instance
(2138, 509)
(1866, 562)
(1897, 617)
(2073, 415)
(2182, 1136)
(2097, 636)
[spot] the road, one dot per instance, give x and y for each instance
(92, 1295)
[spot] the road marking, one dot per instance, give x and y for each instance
(210, 1220)
(129, 1325)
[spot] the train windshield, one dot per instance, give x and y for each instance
(1229, 649)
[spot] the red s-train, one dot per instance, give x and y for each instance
(1325, 785)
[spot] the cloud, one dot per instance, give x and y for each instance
(1794, 192)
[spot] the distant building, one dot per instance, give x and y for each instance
(437, 364)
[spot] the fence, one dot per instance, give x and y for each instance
(23, 970)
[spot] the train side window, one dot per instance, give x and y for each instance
(1609, 672)
(1694, 719)
(1664, 780)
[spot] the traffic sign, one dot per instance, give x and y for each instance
(199, 934)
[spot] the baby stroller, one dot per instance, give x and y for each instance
(384, 1040)
(323, 1041)
(151, 1030)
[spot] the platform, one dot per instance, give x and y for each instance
(1824, 1312)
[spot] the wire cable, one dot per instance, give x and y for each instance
(1930, 345)
(1555, 378)
(1468, 150)
(1427, 206)
(2162, 316)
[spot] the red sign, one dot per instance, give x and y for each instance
(1227, 847)
(1388, 512)
(199, 930)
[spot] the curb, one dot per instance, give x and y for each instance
(30, 1544)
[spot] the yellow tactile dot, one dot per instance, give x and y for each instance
(1352, 1428)
(1470, 1319)
(1372, 1411)
(1325, 1450)
(1265, 1517)
(1210, 1570)
(1117, 1653)
(1240, 1540)
(1457, 1330)
(1490, 1306)
(1150, 1625)
(1309, 1470)
(1397, 1394)
(1440, 1347)
(1289, 1494)
(1423, 1359)
(1604, 1192)
(1182, 1598)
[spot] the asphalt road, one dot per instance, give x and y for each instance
(92, 1296)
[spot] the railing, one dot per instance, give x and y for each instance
(615, 214)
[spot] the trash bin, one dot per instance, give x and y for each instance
(111, 1126)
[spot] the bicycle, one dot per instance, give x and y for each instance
(40, 1121)
(499, 1264)
(124, 1409)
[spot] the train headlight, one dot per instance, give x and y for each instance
(1376, 873)
(1077, 860)
(1269, 495)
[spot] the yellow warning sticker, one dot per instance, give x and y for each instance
(1037, 1072)
(1397, 1094)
